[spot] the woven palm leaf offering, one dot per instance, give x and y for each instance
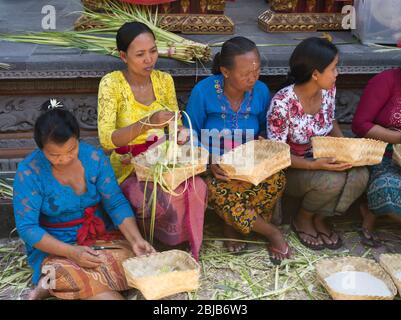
(355, 278)
(397, 154)
(256, 160)
(162, 274)
(355, 151)
(392, 264)
(168, 165)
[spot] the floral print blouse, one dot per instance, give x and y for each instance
(288, 122)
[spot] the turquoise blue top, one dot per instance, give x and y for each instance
(208, 108)
(37, 195)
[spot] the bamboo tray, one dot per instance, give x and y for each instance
(162, 274)
(392, 264)
(356, 151)
(175, 176)
(256, 160)
(397, 154)
(327, 267)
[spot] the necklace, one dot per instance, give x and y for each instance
(141, 87)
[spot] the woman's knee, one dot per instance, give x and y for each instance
(360, 178)
(277, 180)
(332, 182)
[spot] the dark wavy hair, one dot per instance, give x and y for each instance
(57, 125)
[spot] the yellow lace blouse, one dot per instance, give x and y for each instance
(117, 108)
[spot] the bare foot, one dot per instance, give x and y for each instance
(39, 293)
(368, 237)
(230, 233)
(368, 218)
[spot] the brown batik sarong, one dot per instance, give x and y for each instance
(75, 282)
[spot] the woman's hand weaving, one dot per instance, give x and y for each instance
(85, 257)
(142, 247)
(161, 118)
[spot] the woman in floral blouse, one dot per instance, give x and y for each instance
(303, 109)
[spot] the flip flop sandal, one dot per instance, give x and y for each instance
(272, 250)
(369, 239)
(333, 246)
(316, 247)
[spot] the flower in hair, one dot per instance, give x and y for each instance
(54, 104)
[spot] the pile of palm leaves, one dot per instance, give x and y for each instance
(15, 275)
(101, 37)
(4, 66)
(6, 189)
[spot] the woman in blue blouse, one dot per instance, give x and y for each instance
(229, 108)
(60, 192)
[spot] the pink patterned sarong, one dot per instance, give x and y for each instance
(178, 218)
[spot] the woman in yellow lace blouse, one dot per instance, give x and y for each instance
(126, 100)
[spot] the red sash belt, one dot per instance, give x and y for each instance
(136, 148)
(299, 149)
(92, 229)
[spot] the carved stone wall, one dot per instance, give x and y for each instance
(18, 113)
(20, 103)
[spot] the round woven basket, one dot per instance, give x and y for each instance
(256, 160)
(327, 267)
(162, 274)
(397, 154)
(175, 176)
(392, 264)
(356, 151)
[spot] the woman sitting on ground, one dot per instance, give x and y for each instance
(233, 103)
(303, 109)
(131, 116)
(62, 191)
(378, 116)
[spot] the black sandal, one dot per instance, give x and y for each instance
(317, 247)
(369, 238)
(334, 246)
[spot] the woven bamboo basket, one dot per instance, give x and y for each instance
(162, 274)
(256, 160)
(356, 151)
(397, 154)
(176, 176)
(327, 267)
(392, 264)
